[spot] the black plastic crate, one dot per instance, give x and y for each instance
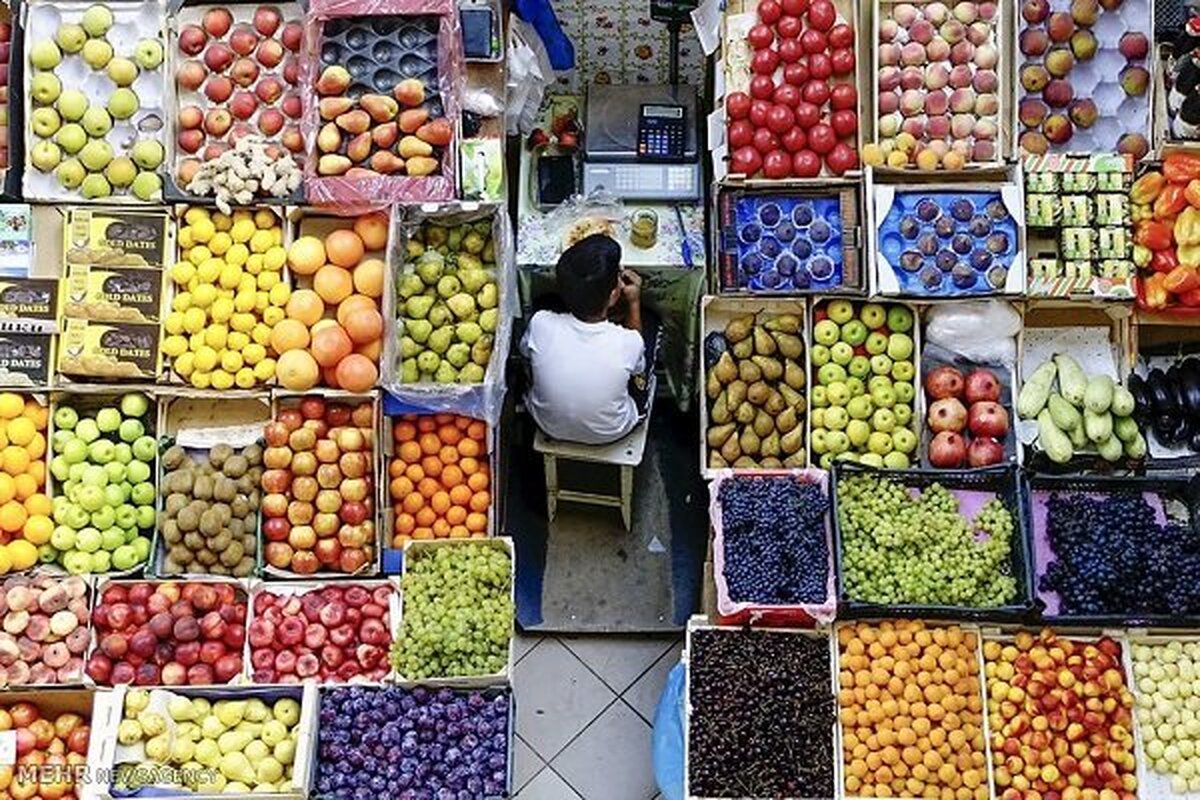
(1182, 489)
(1006, 483)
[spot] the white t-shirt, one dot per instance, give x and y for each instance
(581, 373)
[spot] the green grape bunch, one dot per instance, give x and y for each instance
(903, 547)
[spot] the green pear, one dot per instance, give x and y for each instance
(487, 320)
(448, 286)
(123, 103)
(70, 37)
(419, 330)
(147, 186)
(409, 347)
(236, 767)
(439, 315)
(45, 122)
(431, 269)
(45, 155)
(148, 54)
(97, 20)
(417, 307)
(410, 285)
(473, 279)
(439, 340)
(121, 171)
(462, 305)
(445, 373)
(70, 173)
(467, 332)
(488, 296)
(72, 104)
(408, 371)
(122, 71)
(459, 354)
(45, 55)
(45, 87)
(96, 121)
(96, 154)
(481, 351)
(97, 53)
(148, 153)
(71, 137)
(95, 185)
(428, 361)
(471, 373)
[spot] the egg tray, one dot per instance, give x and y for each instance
(132, 22)
(379, 52)
(933, 357)
(1002, 482)
(1098, 79)
(949, 244)
(243, 13)
(1182, 493)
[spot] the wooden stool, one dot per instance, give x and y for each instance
(626, 454)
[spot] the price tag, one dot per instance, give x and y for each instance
(8, 748)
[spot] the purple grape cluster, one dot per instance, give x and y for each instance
(412, 744)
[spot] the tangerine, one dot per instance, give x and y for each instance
(460, 495)
(459, 532)
(456, 515)
(426, 517)
(413, 503)
(448, 455)
(39, 503)
(476, 523)
(428, 487)
(451, 476)
(430, 443)
(405, 523)
(449, 434)
(432, 467)
(403, 431)
(410, 452)
(441, 528)
(478, 482)
(414, 472)
(422, 533)
(372, 350)
(440, 502)
(480, 501)
(426, 424)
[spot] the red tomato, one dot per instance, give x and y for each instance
(807, 114)
(764, 62)
(769, 11)
(780, 118)
(815, 92)
(841, 35)
(842, 60)
(758, 113)
(841, 158)
(737, 105)
(741, 133)
(765, 141)
(795, 7)
(788, 27)
(844, 123)
(794, 140)
(762, 87)
(806, 164)
(822, 15)
(819, 66)
(843, 95)
(745, 160)
(760, 36)
(821, 138)
(796, 74)
(777, 164)
(813, 41)
(790, 51)
(787, 95)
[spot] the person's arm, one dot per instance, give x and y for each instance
(631, 290)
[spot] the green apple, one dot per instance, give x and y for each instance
(826, 332)
(96, 154)
(71, 138)
(141, 544)
(122, 71)
(45, 88)
(125, 557)
(858, 430)
(70, 173)
(819, 400)
(900, 346)
(101, 561)
(883, 420)
(879, 442)
(102, 519)
(96, 121)
(817, 441)
(94, 475)
(877, 381)
(840, 311)
(123, 103)
(87, 430)
(883, 396)
(899, 319)
(77, 518)
(134, 404)
(148, 53)
(904, 440)
(116, 472)
(88, 540)
(76, 472)
(112, 538)
(72, 104)
(75, 451)
(871, 460)
(819, 354)
(904, 392)
(838, 442)
(836, 418)
(145, 448)
(829, 373)
(126, 516)
(44, 121)
(97, 53)
(45, 55)
(854, 333)
(873, 315)
(65, 418)
(143, 494)
(121, 171)
(100, 452)
(838, 394)
(826, 461)
(45, 155)
(147, 154)
(58, 468)
(63, 538)
(903, 371)
(859, 367)
(841, 353)
(97, 20)
(77, 562)
(138, 471)
(896, 460)
(818, 418)
(881, 365)
(855, 386)
(70, 37)
(903, 415)
(860, 407)
(131, 430)
(146, 186)
(145, 514)
(95, 185)
(124, 452)
(876, 343)
(114, 492)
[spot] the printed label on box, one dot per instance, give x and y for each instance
(110, 238)
(124, 294)
(109, 349)
(29, 298)
(25, 359)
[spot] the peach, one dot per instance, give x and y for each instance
(985, 80)
(983, 151)
(938, 127)
(914, 127)
(960, 77)
(987, 104)
(905, 14)
(1034, 77)
(1059, 62)
(1057, 128)
(962, 52)
(987, 11)
(962, 101)
(937, 76)
(888, 29)
(936, 103)
(936, 12)
(1034, 41)
(889, 125)
(889, 78)
(953, 31)
(912, 78)
(987, 56)
(937, 50)
(889, 55)
(912, 54)
(979, 32)
(1085, 12)
(911, 102)
(1058, 94)
(921, 31)
(938, 148)
(966, 12)
(1084, 44)
(984, 129)
(961, 125)
(1083, 112)
(888, 102)
(1032, 111)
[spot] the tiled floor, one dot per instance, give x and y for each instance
(585, 706)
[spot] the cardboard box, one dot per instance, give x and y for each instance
(110, 350)
(113, 294)
(26, 359)
(116, 237)
(31, 299)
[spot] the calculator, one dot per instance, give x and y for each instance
(661, 133)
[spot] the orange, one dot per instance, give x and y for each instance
(297, 370)
(399, 540)
(426, 517)
(426, 424)
(413, 503)
(462, 423)
(422, 533)
(396, 468)
(443, 419)
(22, 554)
(414, 472)
(344, 248)
(469, 466)
(365, 325)
(38, 529)
(480, 501)
(432, 467)
(8, 488)
(405, 523)
(356, 373)
(441, 528)
(409, 452)
(430, 444)
(37, 469)
(400, 487)
(306, 255)
(478, 482)
(460, 495)
(459, 532)
(428, 487)
(15, 459)
(26, 485)
(330, 345)
(451, 476)
(373, 230)
(470, 448)
(440, 502)
(37, 446)
(352, 305)
(476, 522)
(457, 515)
(306, 306)
(21, 431)
(39, 504)
(37, 412)
(12, 516)
(477, 431)
(404, 431)
(368, 277)
(448, 455)
(334, 284)
(289, 334)
(449, 434)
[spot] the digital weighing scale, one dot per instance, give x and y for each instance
(641, 142)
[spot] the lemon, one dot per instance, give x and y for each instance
(267, 280)
(262, 301)
(242, 230)
(203, 230)
(206, 358)
(221, 310)
(261, 333)
(265, 369)
(219, 243)
(277, 236)
(183, 272)
(222, 379)
(261, 241)
(245, 378)
(247, 283)
(237, 254)
(254, 353)
(200, 379)
(231, 276)
(185, 238)
(174, 346)
(222, 221)
(237, 340)
(204, 295)
(194, 319)
(231, 361)
(173, 324)
(243, 302)
(254, 264)
(273, 315)
(215, 336)
(192, 284)
(210, 270)
(184, 364)
(275, 258)
(279, 294)
(181, 302)
(243, 322)
(196, 341)
(265, 218)
(195, 214)
(199, 254)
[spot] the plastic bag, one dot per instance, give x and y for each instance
(580, 217)
(529, 74)
(484, 400)
(540, 14)
(451, 76)
(667, 741)
(978, 330)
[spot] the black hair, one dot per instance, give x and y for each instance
(587, 273)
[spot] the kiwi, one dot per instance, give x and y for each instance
(232, 554)
(236, 466)
(218, 455)
(244, 568)
(253, 454)
(180, 482)
(235, 527)
(240, 507)
(171, 533)
(206, 557)
(193, 541)
(187, 519)
(225, 489)
(174, 457)
(180, 555)
(221, 541)
(210, 523)
(246, 484)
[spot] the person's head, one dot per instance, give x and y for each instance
(588, 274)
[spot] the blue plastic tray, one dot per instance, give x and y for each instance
(946, 244)
(788, 243)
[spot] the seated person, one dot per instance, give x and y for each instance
(592, 378)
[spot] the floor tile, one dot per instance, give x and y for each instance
(618, 660)
(557, 697)
(523, 643)
(644, 695)
(611, 758)
(547, 786)
(527, 764)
